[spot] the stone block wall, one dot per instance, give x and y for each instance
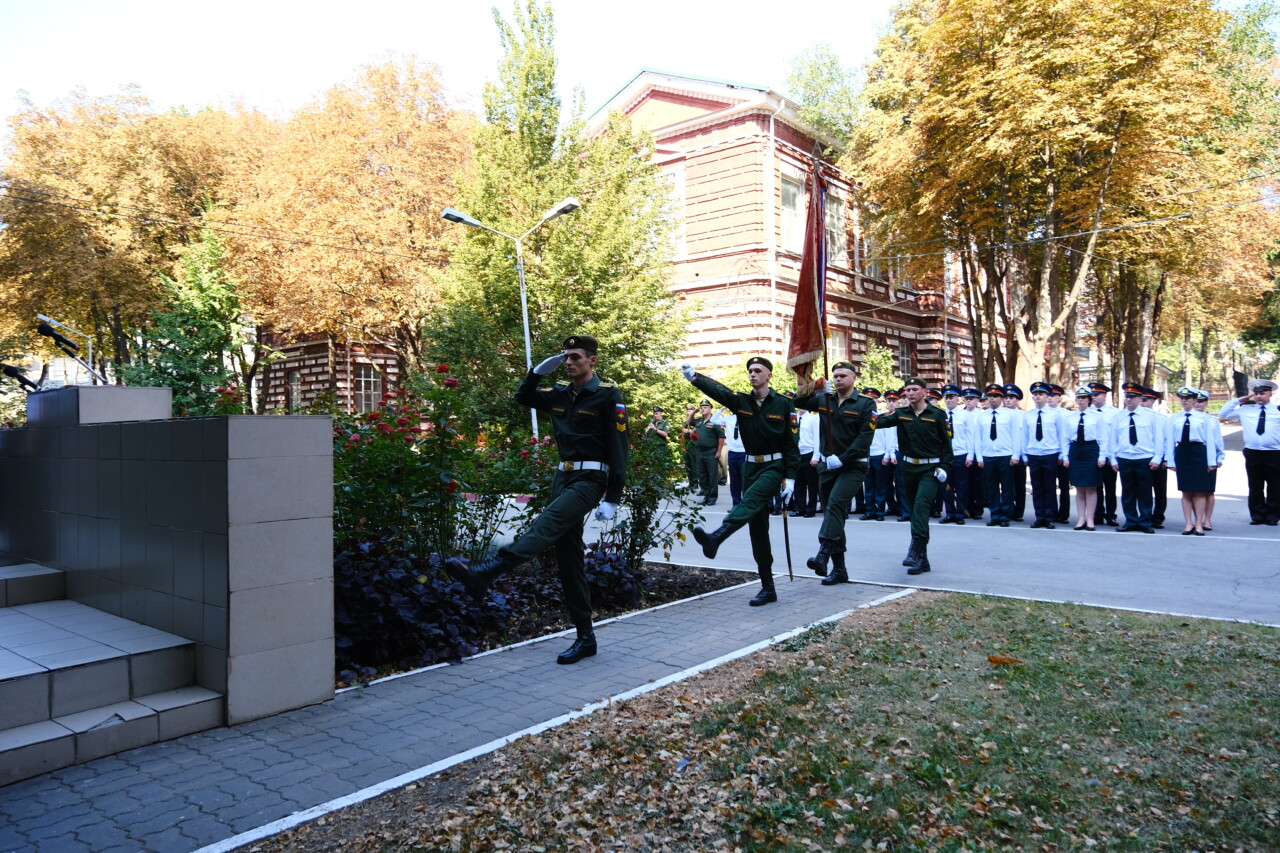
(215, 529)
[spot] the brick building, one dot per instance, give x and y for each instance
(738, 158)
(356, 373)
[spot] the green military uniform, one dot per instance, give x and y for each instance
(924, 436)
(846, 431)
(707, 446)
(766, 429)
(590, 426)
(658, 424)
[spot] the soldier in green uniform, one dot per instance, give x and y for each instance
(589, 420)
(765, 421)
(657, 430)
(848, 422)
(924, 444)
(708, 441)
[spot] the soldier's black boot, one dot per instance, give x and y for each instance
(910, 559)
(818, 562)
(583, 647)
(922, 559)
(475, 578)
(767, 594)
(710, 542)
(839, 574)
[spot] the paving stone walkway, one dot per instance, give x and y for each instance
(215, 790)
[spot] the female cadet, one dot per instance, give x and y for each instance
(1086, 456)
(1191, 445)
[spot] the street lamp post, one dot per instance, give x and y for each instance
(569, 205)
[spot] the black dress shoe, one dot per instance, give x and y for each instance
(948, 520)
(904, 518)
(1150, 530)
(1158, 526)
(959, 520)
(1049, 525)
(764, 596)
(1037, 524)
(1004, 524)
(583, 647)
(809, 515)
(1256, 523)
(1128, 528)
(797, 514)
(995, 522)
(1272, 523)
(935, 515)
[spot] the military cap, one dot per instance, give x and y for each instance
(582, 342)
(1083, 391)
(972, 393)
(932, 394)
(759, 359)
(844, 365)
(914, 380)
(657, 408)
(873, 393)
(1261, 385)
(950, 390)
(1131, 389)
(1150, 393)
(1056, 389)
(1040, 387)
(705, 403)
(1202, 394)
(1186, 392)
(891, 395)
(1013, 391)
(995, 388)
(1099, 388)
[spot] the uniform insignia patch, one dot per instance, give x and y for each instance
(621, 411)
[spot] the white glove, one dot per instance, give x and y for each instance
(542, 368)
(940, 474)
(606, 511)
(788, 489)
(688, 371)
(833, 462)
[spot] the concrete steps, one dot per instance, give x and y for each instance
(77, 684)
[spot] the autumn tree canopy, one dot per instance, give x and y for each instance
(1030, 141)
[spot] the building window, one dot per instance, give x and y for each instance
(955, 365)
(837, 239)
(904, 359)
(839, 349)
(293, 390)
(675, 209)
(367, 390)
(870, 264)
(793, 213)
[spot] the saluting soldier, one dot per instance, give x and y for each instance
(765, 420)
(589, 421)
(847, 422)
(924, 447)
(1260, 429)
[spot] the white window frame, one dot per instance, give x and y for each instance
(905, 352)
(834, 230)
(793, 212)
(366, 387)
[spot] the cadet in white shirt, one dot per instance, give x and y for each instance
(1064, 477)
(1202, 405)
(1260, 423)
(1137, 449)
(1087, 434)
(1044, 448)
(963, 446)
(883, 455)
(1194, 450)
(1105, 511)
(999, 453)
(1151, 399)
(806, 497)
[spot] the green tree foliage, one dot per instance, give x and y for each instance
(197, 341)
(827, 93)
(879, 369)
(601, 270)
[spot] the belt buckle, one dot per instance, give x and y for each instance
(568, 466)
(757, 459)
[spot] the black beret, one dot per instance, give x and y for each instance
(583, 342)
(759, 359)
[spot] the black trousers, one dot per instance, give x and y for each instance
(1262, 468)
(1019, 474)
(960, 480)
(1064, 495)
(806, 496)
(1160, 485)
(1044, 485)
(1136, 494)
(1106, 508)
(999, 476)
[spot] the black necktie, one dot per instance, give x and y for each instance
(1080, 429)
(993, 426)
(1039, 426)
(1133, 430)
(1186, 429)
(1262, 421)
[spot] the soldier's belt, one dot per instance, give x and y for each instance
(768, 457)
(582, 466)
(914, 461)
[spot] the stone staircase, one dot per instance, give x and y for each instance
(77, 684)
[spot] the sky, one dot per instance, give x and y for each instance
(279, 55)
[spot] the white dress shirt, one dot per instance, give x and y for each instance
(1204, 429)
(1249, 416)
(964, 443)
(808, 438)
(1151, 428)
(1008, 440)
(1053, 440)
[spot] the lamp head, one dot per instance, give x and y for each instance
(458, 216)
(569, 205)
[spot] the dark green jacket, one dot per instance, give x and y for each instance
(708, 433)
(592, 428)
(766, 428)
(849, 426)
(922, 436)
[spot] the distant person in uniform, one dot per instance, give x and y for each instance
(1195, 451)
(1260, 428)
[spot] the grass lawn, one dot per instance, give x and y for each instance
(937, 722)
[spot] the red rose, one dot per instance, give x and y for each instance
(451, 383)
(444, 368)
(694, 436)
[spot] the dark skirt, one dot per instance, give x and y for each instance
(1084, 470)
(1193, 468)
(1213, 481)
